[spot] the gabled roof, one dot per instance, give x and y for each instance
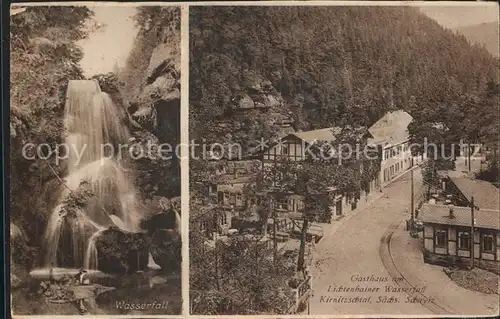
(486, 195)
(440, 214)
(328, 134)
(325, 134)
(391, 129)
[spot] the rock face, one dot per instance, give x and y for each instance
(158, 103)
(155, 107)
(166, 249)
(119, 251)
(259, 93)
(161, 220)
(166, 239)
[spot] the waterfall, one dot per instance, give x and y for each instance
(95, 134)
(91, 257)
(178, 224)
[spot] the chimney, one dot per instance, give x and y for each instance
(451, 214)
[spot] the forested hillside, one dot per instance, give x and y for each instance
(484, 33)
(321, 67)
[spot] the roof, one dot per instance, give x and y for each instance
(325, 134)
(440, 214)
(486, 195)
(328, 134)
(392, 128)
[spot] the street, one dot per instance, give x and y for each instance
(349, 263)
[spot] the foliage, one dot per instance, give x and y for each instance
(332, 64)
(336, 66)
(237, 277)
(43, 57)
(21, 253)
(122, 251)
(491, 172)
(157, 25)
(77, 200)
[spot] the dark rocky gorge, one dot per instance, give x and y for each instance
(57, 225)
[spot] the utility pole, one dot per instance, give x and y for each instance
(412, 208)
(215, 250)
(468, 155)
(472, 233)
(275, 242)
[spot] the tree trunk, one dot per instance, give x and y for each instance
(264, 226)
(303, 235)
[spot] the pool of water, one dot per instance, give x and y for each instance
(149, 292)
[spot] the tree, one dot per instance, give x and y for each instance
(236, 276)
(44, 57)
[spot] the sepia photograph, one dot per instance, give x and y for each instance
(95, 213)
(344, 160)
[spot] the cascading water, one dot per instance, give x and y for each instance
(95, 134)
(91, 257)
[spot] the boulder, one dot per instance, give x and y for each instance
(176, 203)
(246, 102)
(252, 82)
(166, 249)
(16, 233)
(164, 59)
(164, 87)
(162, 220)
(119, 251)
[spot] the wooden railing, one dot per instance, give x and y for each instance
(301, 294)
(314, 229)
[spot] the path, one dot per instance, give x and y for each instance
(365, 246)
(352, 252)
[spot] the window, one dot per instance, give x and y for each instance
(284, 150)
(226, 198)
(463, 240)
(282, 203)
(488, 243)
(203, 225)
(239, 198)
(232, 200)
(440, 239)
(223, 219)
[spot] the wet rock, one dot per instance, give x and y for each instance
(16, 233)
(166, 249)
(119, 251)
(161, 220)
